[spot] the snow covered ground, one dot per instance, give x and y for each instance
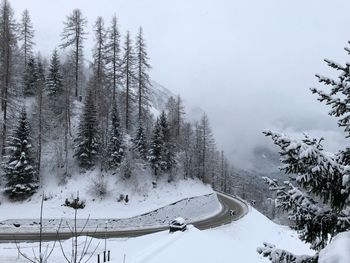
(338, 251)
(236, 242)
(143, 198)
(191, 209)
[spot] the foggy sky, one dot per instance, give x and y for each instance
(248, 64)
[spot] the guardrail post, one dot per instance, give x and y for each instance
(104, 256)
(98, 258)
(109, 255)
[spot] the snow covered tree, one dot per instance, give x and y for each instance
(168, 154)
(115, 150)
(155, 154)
(88, 139)
(54, 84)
(143, 80)
(128, 76)
(30, 78)
(26, 35)
(140, 143)
(161, 154)
(73, 35)
(54, 77)
(20, 172)
(318, 200)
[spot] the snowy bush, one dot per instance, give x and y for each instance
(74, 202)
(99, 186)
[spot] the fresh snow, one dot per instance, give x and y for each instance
(142, 196)
(192, 209)
(236, 242)
(338, 251)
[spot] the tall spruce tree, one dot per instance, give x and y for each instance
(54, 80)
(140, 142)
(155, 154)
(73, 36)
(317, 199)
(88, 140)
(143, 80)
(54, 84)
(168, 154)
(115, 149)
(20, 172)
(30, 78)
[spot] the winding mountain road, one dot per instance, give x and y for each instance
(223, 217)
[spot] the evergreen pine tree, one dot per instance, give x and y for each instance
(155, 156)
(30, 78)
(140, 142)
(115, 150)
(168, 160)
(88, 139)
(54, 77)
(20, 173)
(317, 199)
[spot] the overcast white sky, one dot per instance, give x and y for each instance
(248, 64)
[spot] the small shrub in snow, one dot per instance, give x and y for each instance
(75, 203)
(99, 187)
(121, 198)
(47, 196)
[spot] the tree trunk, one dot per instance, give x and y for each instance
(40, 102)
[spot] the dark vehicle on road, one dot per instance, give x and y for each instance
(178, 224)
(232, 212)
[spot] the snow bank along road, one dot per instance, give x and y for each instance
(223, 217)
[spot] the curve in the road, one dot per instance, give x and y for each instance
(223, 217)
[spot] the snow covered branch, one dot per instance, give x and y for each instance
(277, 255)
(316, 170)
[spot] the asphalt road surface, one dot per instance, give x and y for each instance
(222, 218)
